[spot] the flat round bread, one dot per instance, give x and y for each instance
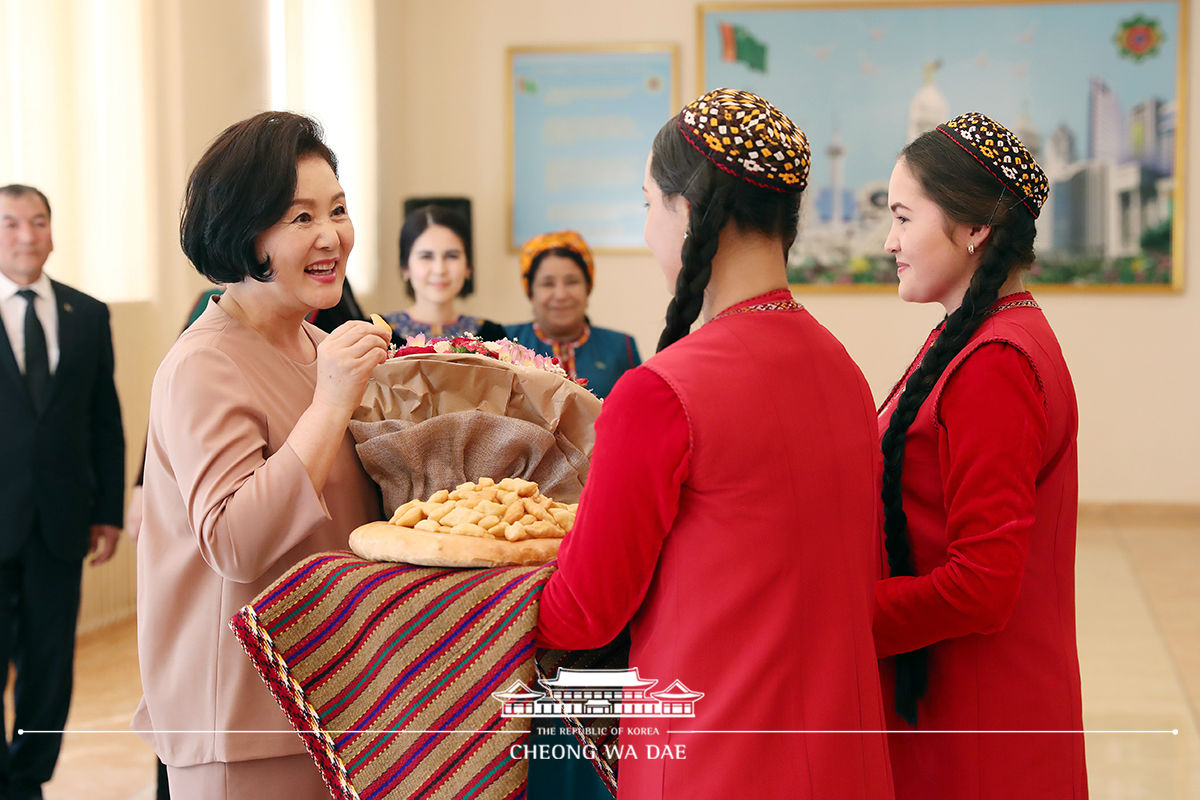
(383, 541)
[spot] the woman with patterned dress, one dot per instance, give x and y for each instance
(557, 272)
(976, 623)
(728, 516)
(435, 261)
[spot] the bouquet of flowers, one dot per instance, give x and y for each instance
(440, 412)
(503, 350)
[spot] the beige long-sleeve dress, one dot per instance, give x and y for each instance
(228, 508)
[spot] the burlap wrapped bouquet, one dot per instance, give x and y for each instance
(434, 420)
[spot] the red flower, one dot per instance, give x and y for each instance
(412, 351)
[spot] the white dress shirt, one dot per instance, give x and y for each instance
(12, 309)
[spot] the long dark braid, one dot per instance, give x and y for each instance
(704, 236)
(966, 193)
(716, 199)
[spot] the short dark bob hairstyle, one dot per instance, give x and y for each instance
(421, 220)
(241, 186)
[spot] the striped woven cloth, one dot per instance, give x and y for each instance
(387, 671)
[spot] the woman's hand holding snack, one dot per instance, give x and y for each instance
(345, 359)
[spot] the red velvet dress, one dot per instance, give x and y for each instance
(990, 489)
(729, 519)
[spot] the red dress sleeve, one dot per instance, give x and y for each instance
(629, 503)
(992, 431)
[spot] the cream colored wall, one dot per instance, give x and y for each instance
(442, 94)
(441, 79)
(209, 72)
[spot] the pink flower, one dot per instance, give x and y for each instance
(504, 350)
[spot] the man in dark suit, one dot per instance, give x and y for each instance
(62, 469)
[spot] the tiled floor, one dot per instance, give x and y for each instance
(1139, 646)
(1139, 652)
(104, 766)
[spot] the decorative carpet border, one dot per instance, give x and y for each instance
(288, 692)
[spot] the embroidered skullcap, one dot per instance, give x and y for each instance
(566, 240)
(748, 137)
(1001, 153)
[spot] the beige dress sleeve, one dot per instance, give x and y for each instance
(231, 478)
(228, 509)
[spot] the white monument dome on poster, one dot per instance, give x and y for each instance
(928, 108)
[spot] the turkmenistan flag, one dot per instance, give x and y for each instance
(738, 45)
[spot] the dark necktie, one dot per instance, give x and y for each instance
(37, 359)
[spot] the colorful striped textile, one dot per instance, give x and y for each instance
(387, 671)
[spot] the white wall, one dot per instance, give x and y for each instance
(209, 70)
(442, 94)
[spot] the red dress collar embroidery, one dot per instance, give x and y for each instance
(1014, 300)
(775, 300)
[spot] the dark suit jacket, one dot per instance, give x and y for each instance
(65, 461)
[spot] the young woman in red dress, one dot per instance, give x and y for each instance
(976, 625)
(729, 511)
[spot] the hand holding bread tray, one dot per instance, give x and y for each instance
(439, 415)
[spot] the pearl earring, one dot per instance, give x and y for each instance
(971, 249)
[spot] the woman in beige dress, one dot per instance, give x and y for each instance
(249, 467)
